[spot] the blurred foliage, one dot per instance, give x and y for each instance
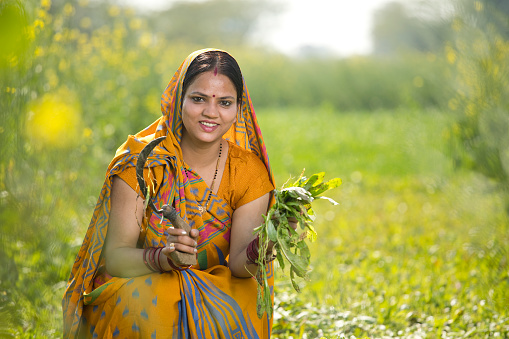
(77, 76)
(479, 57)
(410, 26)
(221, 22)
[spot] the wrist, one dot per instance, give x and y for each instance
(164, 262)
(253, 251)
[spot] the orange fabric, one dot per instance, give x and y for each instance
(244, 178)
(149, 307)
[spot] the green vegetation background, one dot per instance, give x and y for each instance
(418, 246)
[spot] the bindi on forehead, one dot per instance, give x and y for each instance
(215, 71)
(213, 95)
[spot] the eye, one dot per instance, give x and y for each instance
(226, 103)
(197, 99)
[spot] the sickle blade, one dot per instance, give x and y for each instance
(140, 164)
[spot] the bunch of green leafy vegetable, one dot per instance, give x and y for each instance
(292, 203)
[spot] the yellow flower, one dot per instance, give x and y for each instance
(39, 51)
(470, 110)
(86, 22)
(457, 24)
(453, 104)
(46, 4)
(63, 64)
(145, 40)
(54, 120)
(69, 9)
(52, 78)
(114, 11)
(418, 82)
(135, 24)
(42, 13)
(87, 133)
(450, 54)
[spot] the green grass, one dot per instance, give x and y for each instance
(414, 248)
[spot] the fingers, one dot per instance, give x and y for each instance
(179, 232)
(172, 247)
(179, 240)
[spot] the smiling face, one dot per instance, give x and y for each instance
(209, 108)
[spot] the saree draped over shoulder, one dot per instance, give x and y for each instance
(205, 301)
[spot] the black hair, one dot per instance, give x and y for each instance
(208, 61)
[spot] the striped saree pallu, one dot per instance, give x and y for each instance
(188, 304)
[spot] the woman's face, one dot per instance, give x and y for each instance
(209, 107)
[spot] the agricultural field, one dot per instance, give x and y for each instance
(414, 250)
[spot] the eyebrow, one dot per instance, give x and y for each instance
(205, 95)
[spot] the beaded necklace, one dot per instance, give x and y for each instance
(201, 208)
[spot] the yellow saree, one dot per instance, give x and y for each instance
(205, 301)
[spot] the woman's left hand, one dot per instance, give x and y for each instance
(179, 240)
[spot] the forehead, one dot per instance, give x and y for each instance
(212, 84)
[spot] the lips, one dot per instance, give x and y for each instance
(208, 124)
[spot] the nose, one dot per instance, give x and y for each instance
(211, 110)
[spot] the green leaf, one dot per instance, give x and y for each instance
(280, 259)
(304, 250)
(317, 190)
(300, 182)
(314, 180)
(312, 235)
(271, 231)
(292, 279)
(298, 263)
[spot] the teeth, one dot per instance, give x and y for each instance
(208, 124)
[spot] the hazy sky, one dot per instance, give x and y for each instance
(341, 26)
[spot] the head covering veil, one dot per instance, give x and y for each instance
(169, 184)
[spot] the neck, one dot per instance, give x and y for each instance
(199, 155)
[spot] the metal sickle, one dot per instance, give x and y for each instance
(140, 164)
(168, 211)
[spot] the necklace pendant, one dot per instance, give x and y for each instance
(201, 209)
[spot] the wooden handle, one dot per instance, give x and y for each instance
(179, 258)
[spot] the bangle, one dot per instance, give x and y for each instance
(252, 252)
(175, 267)
(152, 256)
(159, 260)
(145, 258)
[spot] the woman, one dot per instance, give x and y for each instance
(213, 168)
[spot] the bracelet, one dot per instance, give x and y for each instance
(159, 260)
(151, 258)
(252, 252)
(145, 258)
(175, 267)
